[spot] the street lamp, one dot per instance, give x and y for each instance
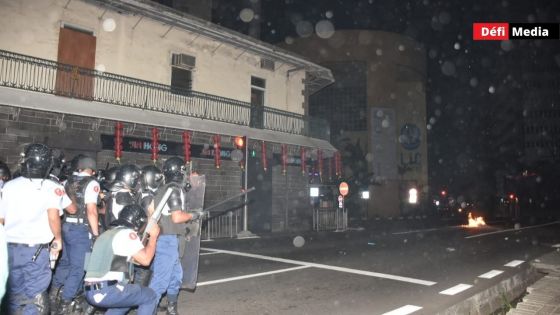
(412, 196)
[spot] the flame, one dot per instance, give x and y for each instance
(475, 222)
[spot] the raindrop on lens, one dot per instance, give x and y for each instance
(299, 241)
(246, 15)
(492, 89)
(109, 25)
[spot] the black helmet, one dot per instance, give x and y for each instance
(131, 216)
(107, 177)
(174, 170)
(128, 176)
(58, 162)
(5, 174)
(152, 177)
(85, 162)
(37, 161)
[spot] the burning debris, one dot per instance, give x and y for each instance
(476, 221)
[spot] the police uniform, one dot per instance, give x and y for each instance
(118, 200)
(106, 277)
(76, 236)
(23, 207)
(167, 274)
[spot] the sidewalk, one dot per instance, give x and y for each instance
(543, 296)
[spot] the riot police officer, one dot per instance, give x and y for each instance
(150, 180)
(106, 283)
(30, 210)
(123, 191)
(78, 232)
(167, 271)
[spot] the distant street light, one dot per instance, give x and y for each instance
(365, 194)
(412, 196)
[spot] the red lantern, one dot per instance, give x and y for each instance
(217, 151)
(320, 162)
(118, 140)
(330, 161)
(337, 164)
(302, 156)
(155, 144)
(187, 146)
(263, 155)
(284, 158)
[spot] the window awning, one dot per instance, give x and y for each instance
(72, 106)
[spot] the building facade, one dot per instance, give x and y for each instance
(71, 70)
(377, 112)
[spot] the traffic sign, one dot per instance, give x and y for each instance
(343, 188)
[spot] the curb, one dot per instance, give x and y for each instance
(493, 298)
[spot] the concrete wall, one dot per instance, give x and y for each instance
(142, 49)
(396, 78)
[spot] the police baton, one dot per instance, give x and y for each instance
(37, 252)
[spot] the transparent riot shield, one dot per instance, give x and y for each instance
(194, 201)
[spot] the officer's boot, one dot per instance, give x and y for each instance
(64, 308)
(172, 308)
(54, 299)
(172, 304)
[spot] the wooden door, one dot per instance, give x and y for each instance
(76, 53)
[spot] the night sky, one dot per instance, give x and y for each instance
(470, 83)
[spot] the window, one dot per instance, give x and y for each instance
(181, 73)
(258, 86)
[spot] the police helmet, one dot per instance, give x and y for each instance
(85, 162)
(37, 161)
(58, 162)
(74, 163)
(129, 176)
(131, 216)
(174, 170)
(5, 174)
(152, 177)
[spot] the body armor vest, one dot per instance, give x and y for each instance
(166, 224)
(103, 258)
(76, 189)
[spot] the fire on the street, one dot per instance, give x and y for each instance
(476, 221)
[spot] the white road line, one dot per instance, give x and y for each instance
(328, 267)
(491, 274)
(456, 289)
(251, 276)
(427, 230)
(511, 230)
(407, 309)
(211, 253)
(514, 263)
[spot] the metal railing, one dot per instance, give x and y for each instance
(46, 76)
(222, 226)
(330, 219)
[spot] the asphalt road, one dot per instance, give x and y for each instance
(384, 269)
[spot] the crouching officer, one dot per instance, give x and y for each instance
(30, 209)
(106, 282)
(79, 230)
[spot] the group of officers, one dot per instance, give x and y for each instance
(87, 225)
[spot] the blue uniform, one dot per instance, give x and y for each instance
(24, 207)
(77, 242)
(167, 275)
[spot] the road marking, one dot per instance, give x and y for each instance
(514, 263)
(456, 289)
(511, 230)
(251, 276)
(210, 253)
(491, 274)
(328, 267)
(407, 309)
(428, 230)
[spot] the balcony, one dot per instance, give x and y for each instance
(46, 76)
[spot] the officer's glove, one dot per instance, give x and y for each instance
(196, 215)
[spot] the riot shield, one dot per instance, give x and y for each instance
(194, 201)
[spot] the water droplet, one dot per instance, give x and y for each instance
(491, 89)
(299, 241)
(247, 15)
(324, 29)
(109, 25)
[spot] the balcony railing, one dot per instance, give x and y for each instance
(46, 76)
